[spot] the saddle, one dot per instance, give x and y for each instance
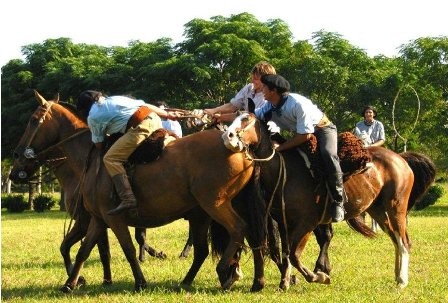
(353, 156)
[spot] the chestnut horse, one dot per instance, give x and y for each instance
(382, 190)
(201, 176)
(69, 178)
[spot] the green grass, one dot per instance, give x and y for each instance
(363, 270)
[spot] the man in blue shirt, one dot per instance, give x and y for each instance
(135, 119)
(299, 114)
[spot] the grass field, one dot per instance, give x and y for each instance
(363, 269)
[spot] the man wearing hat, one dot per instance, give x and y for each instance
(370, 130)
(291, 111)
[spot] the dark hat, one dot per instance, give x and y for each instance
(371, 107)
(276, 81)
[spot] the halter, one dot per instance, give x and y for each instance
(29, 152)
(246, 146)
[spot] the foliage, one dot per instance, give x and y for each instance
(213, 62)
(43, 202)
(14, 203)
(435, 192)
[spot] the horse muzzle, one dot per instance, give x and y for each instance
(19, 176)
(232, 142)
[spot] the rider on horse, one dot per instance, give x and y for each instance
(135, 119)
(297, 113)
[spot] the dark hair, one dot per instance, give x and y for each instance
(85, 102)
(161, 103)
(372, 108)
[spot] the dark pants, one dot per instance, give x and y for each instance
(327, 140)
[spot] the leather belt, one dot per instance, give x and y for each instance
(323, 122)
(138, 116)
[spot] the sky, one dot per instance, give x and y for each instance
(377, 26)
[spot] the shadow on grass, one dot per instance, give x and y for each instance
(431, 211)
(117, 288)
(53, 214)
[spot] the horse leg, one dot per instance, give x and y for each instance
(121, 231)
(324, 234)
(199, 231)
(394, 222)
(140, 237)
(299, 242)
(236, 228)
(284, 264)
(104, 251)
(188, 245)
(76, 233)
(94, 232)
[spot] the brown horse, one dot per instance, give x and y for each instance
(200, 179)
(382, 190)
(69, 178)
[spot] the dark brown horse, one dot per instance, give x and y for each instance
(200, 179)
(383, 190)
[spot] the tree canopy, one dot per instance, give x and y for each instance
(213, 63)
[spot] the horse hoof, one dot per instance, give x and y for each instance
(323, 278)
(293, 280)
(81, 281)
(284, 285)
(258, 285)
(161, 255)
(66, 288)
(140, 286)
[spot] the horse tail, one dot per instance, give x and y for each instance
(424, 174)
(251, 206)
(358, 225)
(219, 238)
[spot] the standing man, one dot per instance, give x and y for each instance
(135, 119)
(370, 130)
(299, 114)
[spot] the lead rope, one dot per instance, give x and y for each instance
(281, 175)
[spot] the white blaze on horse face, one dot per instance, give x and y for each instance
(230, 136)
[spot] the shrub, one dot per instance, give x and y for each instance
(434, 193)
(43, 202)
(14, 203)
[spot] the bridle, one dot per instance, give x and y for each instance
(246, 147)
(29, 152)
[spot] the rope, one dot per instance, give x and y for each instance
(416, 118)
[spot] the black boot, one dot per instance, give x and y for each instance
(337, 191)
(125, 193)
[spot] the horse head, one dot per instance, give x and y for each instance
(42, 133)
(244, 132)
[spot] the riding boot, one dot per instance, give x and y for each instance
(125, 193)
(337, 192)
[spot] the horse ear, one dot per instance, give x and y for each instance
(39, 98)
(56, 98)
(251, 105)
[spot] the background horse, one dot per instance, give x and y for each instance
(382, 190)
(190, 188)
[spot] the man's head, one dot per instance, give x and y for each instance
(370, 110)
(86, 100)
(276, 82)
(260, 69)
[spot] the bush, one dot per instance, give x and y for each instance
(14, 203)
(434, 193)
(43, 202)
